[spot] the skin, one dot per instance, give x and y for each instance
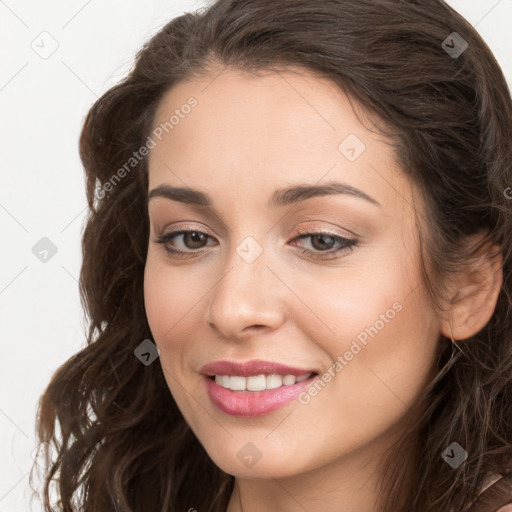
(247, 137)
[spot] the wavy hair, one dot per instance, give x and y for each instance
(113, 437)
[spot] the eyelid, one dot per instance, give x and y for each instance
(317, 229)
(301, 230)
(190, 227)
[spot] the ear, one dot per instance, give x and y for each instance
(473, 293)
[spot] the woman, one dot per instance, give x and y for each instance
(297, 267)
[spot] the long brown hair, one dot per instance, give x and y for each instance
(114, 438)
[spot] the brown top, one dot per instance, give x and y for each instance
(496, 497)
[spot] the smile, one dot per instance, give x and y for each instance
(254, 388)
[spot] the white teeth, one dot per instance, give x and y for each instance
(237, 383)
(288, 380)
(258, 382)
(222, 380)
(274, 381)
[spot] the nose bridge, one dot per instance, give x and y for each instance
(247, 293)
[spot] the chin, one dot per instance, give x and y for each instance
(247, 459)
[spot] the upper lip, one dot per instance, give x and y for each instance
(251, 368)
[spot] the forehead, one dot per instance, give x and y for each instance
(253, 134)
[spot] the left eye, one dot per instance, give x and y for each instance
(322, 243)
(319, 241)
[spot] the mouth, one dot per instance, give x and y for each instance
(254, 388)
(258, 382)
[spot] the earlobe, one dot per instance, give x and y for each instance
(477, 289)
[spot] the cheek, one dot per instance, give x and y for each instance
(168, 297)
(387, 339)
(158, 300)
(374, 295)
(169, 309)
(376, 321)
(383, 365)
(175, 299)
(169, 303)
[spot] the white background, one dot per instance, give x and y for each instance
(43, 103)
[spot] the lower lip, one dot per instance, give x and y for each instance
(254, 403)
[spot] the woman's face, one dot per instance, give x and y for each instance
(278, 283)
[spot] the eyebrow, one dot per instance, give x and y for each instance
(281, 197)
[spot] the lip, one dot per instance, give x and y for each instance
(253, 403)
(251, 368)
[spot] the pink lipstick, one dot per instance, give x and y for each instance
(254, 388)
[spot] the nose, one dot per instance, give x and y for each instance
(249, 298)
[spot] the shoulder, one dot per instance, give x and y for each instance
(495, 495)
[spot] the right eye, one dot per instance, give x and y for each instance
(191, 239)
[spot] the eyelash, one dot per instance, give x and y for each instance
(347, 244)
